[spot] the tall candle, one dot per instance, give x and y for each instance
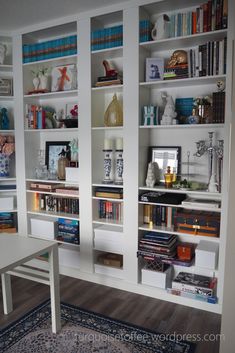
(119, 143)
(107, 144)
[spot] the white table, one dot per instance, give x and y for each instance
(15, 251)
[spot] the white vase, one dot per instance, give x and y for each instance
(36, 83)
(43, 81)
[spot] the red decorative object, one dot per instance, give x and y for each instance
(109, 72)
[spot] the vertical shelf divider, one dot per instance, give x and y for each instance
(85, 161)
(19, 135)
(130, 137)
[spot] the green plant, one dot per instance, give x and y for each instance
(43, 71)
(35, 73)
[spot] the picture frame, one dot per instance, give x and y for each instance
(154, 69)
(6, 87)
(71, 106)
(64, 78)
(165, 156)
(53, 148)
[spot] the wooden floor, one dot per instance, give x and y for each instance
(146, 312)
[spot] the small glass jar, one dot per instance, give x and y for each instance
(63, 162)
(168, 178)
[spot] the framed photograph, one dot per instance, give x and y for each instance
(6, 87)
(154, 69)
(53, 149)
(64, 78)
(165, 156)
(71, 110)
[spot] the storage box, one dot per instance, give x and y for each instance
(114, 260)
(69, 257)
(207, 254)
(185, 251)
(156, 278)
(72, 174)
(43, 229)
(109, 271)
(6, 203)
(109, 238)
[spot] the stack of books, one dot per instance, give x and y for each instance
(176, 72)
(157, 245)
(7, 222)
(195, 284)
(50, 49)
(112, 193)
(109, 80)
(68, 230)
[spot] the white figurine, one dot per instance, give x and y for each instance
(151, 178)
(169, 112)
(3, 50)
(161, 29)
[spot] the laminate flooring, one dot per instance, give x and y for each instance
(136, 309)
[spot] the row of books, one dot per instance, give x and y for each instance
(50, 49)
(159, 215)
(145, 31)
(7, 222)
(68, 230)
(56, 204)
(208, 59)
(110, 210)
(210, 16)
(35, 116)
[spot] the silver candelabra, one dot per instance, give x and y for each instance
(215, 153)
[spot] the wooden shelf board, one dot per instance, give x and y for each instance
(7, 131)
(107, 88)
(54, 214)
(60, 58)
(60, 94)
(107, 198)
(209, 195)
(108, 185)
(52, 130)
(6, 68)
(107, 128)
(51, 181)
(108, 221)
(191, 81)
(53, 193)
(208, 209)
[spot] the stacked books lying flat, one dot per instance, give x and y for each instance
(145, 31)
(68, 230)
(201, 203)
(57, 188)
(159, 245)
(108, 80)
(192, 283)
(7, 222)
(50, 49)
(176, 72)
(112, 193)
(107, 38)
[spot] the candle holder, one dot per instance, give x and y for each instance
(119, 167)
(108, 166)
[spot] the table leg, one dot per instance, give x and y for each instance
(6, 293)
(54, 288)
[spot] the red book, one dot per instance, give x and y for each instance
(194, 22)
(205, 17)
(209, 16)
(43, 119)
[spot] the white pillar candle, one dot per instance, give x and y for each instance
(107, 144)
(119, 143)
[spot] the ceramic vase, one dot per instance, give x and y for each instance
(119, 167)
(36, 83)
(4, 165)
(108, 167)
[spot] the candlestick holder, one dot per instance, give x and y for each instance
(119, 167)
(108, 167)
(215, 153)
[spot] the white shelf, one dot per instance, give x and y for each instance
(52, 130)
(162, 229)
(51, 95)
(207, 209)
(54, 214)
(55, 240)
(7, 131)
(191, 81)
(183, 41)
(108, 185)
(108, 199)
(107, 128)
(184, 126)
(7, 179)
(53, 193)
(107, 88)
(10, 211)
(7, 190)
(108, 52)
(209, 195)
(6, 68)
(7, 98)
(60, 58)
(51, 181)
(111, 222)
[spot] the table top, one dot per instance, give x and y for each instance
(16, 250)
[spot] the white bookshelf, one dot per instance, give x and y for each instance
(93, 101)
